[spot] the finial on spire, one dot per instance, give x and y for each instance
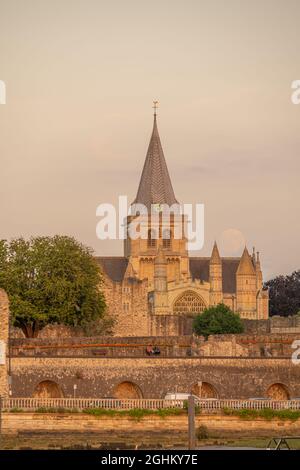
(253, 255)
(155, 106)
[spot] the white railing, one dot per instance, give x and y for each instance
(207, 406)
(219, 405)
(83, 403)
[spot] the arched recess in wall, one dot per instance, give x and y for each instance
(48, 389)
(204, 390)
(188, 303)
(127, 390)
(278, 391)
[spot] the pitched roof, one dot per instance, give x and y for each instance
(199, 268)
(246, 264)
(155, 184)
(114, 266)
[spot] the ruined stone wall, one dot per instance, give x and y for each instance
(4, 319)
(242, 377)
(127, 303)
(251, 345)
(96, 346)
(275, 324)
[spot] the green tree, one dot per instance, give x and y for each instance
(284, 292)
(50, 280)
(217, 320)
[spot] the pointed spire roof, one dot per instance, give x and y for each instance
(155, 185)
(246, 264)
(215, 255)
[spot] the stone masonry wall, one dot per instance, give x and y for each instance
(217, 425)
(4, 318)
(242, 377)
(260, 345)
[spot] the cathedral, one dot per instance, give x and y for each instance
(156, 288)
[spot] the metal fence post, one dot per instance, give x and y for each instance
(191, 422)
(0, 421)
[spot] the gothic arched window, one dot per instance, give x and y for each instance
(189, 303)
(166, 238)
(151, 238)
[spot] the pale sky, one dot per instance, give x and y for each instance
(81, 76)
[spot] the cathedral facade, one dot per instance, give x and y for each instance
(156, 288)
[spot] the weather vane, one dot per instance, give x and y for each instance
(155, 106)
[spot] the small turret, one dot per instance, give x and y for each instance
(215, 276)
(259, 277)
(246, 288)
(253, 256)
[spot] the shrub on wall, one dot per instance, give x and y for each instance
(217, 320)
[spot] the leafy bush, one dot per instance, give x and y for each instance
(44, 409)
(217, 320)
(266, 413)
(135, 413)
(16, 410)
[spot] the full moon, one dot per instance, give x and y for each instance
(231, 242)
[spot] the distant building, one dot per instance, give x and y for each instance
(156, 287)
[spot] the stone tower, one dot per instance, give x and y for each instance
(4, 319)
(159, 228)
(215, 276)
(156, 288)
(246, 287)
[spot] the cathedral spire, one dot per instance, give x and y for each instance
(246, 264)
(155, 184)
(215, 255)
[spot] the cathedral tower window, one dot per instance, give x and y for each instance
(166, 238)
(151, 238)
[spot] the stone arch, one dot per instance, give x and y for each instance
(127, 389)
(188, 303)
(278, 391)
(48, 389)
(204, 390)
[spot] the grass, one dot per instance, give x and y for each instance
(266, 413)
